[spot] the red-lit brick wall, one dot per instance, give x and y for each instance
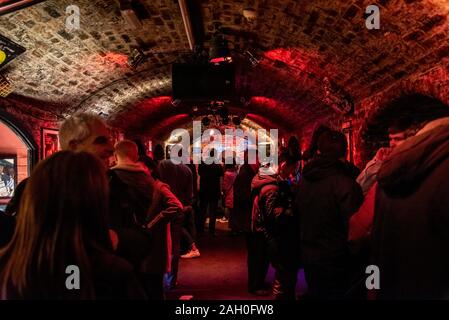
(434, 83)
(30, 116)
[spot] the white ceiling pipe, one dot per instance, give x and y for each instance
(187, 23)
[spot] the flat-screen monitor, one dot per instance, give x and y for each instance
(203, 82)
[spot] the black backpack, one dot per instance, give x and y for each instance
(126, 209)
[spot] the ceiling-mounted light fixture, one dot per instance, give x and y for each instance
(250, 14)
(252, 59)
(136, 58)
(336, 98)
(175, 102)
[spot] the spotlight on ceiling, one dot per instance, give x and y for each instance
(236, 121)
(205, 121)
(251, 58)
(136, 58)
(175, 102)
(104, 115)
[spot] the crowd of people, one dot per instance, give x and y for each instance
(126, 226)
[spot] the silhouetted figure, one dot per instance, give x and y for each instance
(327, 197)
(411, 222)
(210, 192)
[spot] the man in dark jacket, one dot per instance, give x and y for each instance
(327, 196)
(262, 189)
(210, 192)
(411, 223)
(136, 200)
(273, 219)
(179, 179)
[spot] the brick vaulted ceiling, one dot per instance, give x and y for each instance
(299, 43)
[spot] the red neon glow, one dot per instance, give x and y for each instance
(169, 124)
(221, 59)
(300, 59)
(155, 103)
(107, 61)
(262, 121)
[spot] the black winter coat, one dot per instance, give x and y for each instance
(326, 198)
(411, 223)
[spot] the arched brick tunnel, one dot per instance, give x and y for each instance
(299, 46)
(298, 64)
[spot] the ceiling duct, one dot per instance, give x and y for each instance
(187, 23)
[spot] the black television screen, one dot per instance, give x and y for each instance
(203, 82)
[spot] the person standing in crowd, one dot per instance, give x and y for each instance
(133, 191)
(273, 218)
(63, 222)
(290, 168)
(310, 152)
(143, 156)
(410, 237)
(241, 215)
(327, 196)
(360, 224)
(398, 132)
(191, 219)
(80, 132)
(210, 192)
(87, 132)
(179, 179)
(228, 194)
(256, 242)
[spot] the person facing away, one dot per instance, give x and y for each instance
(210, 191)
(241, 220)
(228, 193)
(272, 218)
(326, 198)
(137, 200)
(410, 237)
(179, 178)
(63, 221)
(131, 195)
(290, 168)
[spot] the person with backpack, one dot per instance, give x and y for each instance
(274, 217)
(137, 200)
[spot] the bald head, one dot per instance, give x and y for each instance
(126, 151)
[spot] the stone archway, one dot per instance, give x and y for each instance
(23, 136)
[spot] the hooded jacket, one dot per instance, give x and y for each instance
(411, 223)
(327, 196)
(265, 207)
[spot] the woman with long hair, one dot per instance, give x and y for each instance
(62, 222)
